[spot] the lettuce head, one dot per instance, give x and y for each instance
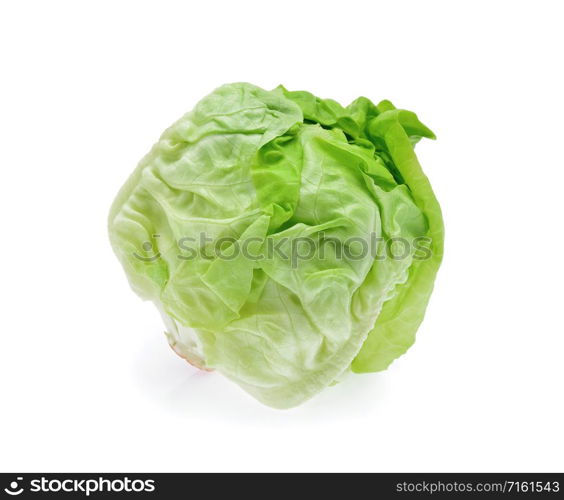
(285, 239)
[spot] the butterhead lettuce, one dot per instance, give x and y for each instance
(265, 226)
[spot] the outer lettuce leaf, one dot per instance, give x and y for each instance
(395, 328)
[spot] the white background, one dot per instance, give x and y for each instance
(88, 381)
